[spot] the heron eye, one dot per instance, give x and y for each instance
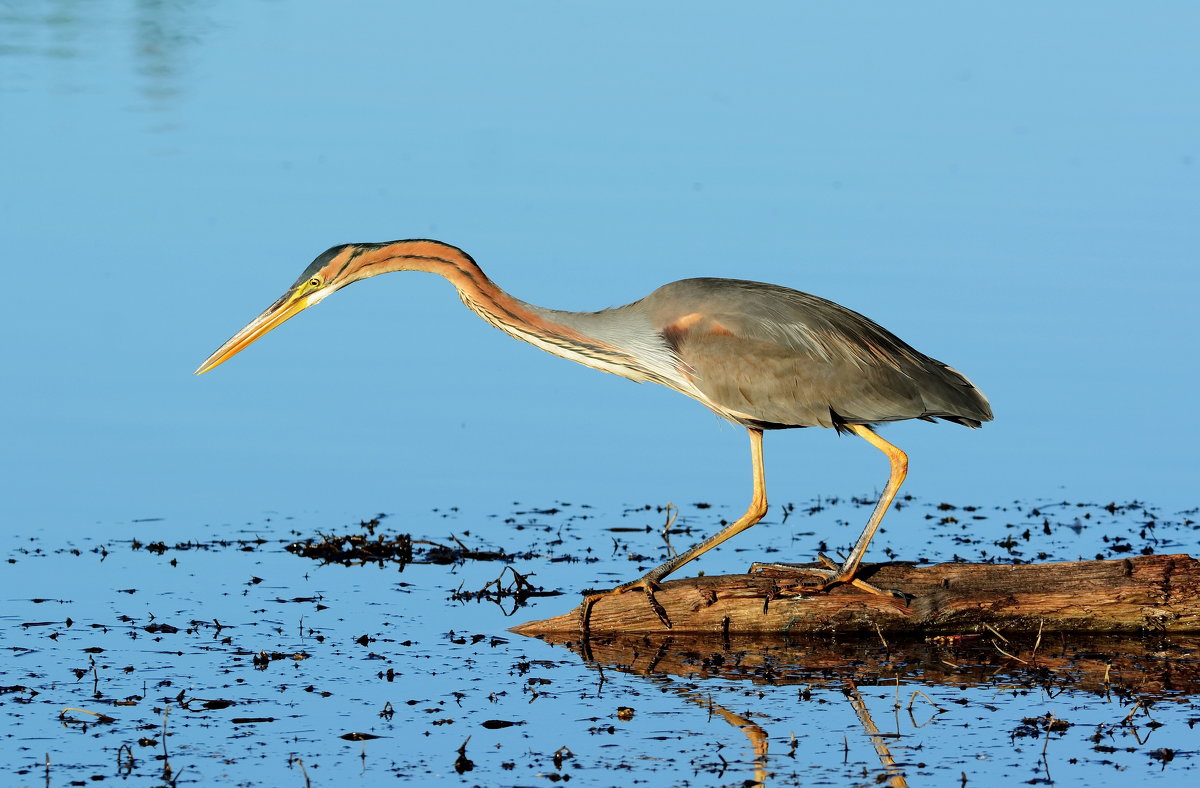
(314, 282)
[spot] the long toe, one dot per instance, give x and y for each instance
(645, 584)
(830, 575)
(822, 578)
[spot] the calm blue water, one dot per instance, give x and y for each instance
(1012, 190)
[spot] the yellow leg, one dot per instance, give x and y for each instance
(846, 572)
(649, 581)
(899, 462)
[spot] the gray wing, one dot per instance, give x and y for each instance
(773, 357)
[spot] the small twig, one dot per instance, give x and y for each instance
(166, 776)
(100, 717)
(913, 699)
(995, 631)
(1138, 737)
(128, 767)
(1038, 642)
(883, 640)
(672, 514)
(81, 711)
(1045, 761)
(462, 763)
(1134, 710)
(1005, 653)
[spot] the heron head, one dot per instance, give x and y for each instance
(328, 273)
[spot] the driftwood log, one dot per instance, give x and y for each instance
(1154, 593)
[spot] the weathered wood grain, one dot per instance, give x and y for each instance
(1155, 593)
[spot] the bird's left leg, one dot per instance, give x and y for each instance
(649, 581)
(845, 573)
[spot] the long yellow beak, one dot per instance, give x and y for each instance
(282, 310)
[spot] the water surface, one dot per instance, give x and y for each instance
(1011, 190)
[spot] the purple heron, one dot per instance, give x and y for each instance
(762, 356)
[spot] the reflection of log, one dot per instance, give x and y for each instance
(1148, 666)
(1155, 593)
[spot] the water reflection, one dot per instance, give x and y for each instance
(64, 45)
(268, 647)
(164, 33)
(1134, 674)
(1122, 668)
(758, 738)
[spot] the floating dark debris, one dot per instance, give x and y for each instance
(509, 596)
(1036, 726)
(160, 547)
(462, 763)
(263, 658)
(496, 724)
(369, 548)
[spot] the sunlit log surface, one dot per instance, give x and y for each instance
(1155, 593)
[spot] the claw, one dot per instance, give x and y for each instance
(591, 597)
(585, 617)
(658, 609)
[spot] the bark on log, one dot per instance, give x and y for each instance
(1155, 593)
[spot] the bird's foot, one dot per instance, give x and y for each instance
(647, 583)
(832, 574)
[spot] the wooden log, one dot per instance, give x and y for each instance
(1154, 593)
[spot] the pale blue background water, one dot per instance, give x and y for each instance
(1011, 189)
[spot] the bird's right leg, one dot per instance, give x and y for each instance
(834, 573)
(649, 581)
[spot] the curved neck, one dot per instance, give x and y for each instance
(433, 257)
(483, 297)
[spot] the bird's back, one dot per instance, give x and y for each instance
(772, 357)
